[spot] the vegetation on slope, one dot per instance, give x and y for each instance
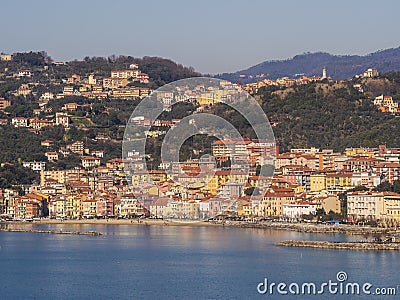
(327, 116)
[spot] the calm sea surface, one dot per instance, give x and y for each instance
(156, 262)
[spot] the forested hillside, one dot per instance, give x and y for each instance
(329, 116)
(326, 114)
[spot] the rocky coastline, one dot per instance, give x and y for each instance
(318, 228)
(92, 233)
(374, 246)
(286, 226)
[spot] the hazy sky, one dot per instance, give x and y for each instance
(213, 36)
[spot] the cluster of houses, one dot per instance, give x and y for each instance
(115, 86)
(89, 158)
(370, 73)
(252, 88)
(305, 181)
(301, 79)
(301, 182)
(36, 124)
(386, 104)
(121, 84)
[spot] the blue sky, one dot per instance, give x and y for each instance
(213, 36)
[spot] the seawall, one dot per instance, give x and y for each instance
(341, 245)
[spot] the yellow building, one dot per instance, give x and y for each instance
(212, 185)
(6, 57)
(114, 83)
(247, 210)
(273, 202)
(338, 181)
(10, 206)
(393, 214)
(230, 148)
(158, 175)
(61, 207)
(129, 206)
(224, 176)
(391, 206)
(330, 181)
(24, 90)
(115, 164)
(74, 206)
(386, 103)
(151, 190)
(317, 182)
(298, 189)
(259, 181)
(126, 93)
(56, 175)
(210, 98)
(240, 210)
(380, 206)
(148, 177)
(194, 209)
(365, 152)
(139, 178)
(144, 92)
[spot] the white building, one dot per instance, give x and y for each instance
(90, 162)
(159, 208)
(365, 179)
(47, 96)
(324, 73)
(51, 156)
(296, 210)
(231, 190)
(92, 80)
(19, 122)
(129, 205)
(89, 208)
(133, 66)
(98, 153)
(371, 73)
(365, 205)
(310, 151)
(205, 209)
(34, 165)
(25, 73)
(62, 119)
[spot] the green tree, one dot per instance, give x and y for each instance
(252, 191)
(384, 186)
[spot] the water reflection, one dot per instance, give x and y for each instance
(166, 261)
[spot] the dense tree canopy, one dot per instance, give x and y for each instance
(15, 174)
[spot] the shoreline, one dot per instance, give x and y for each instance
(128, 222)
(298, 227)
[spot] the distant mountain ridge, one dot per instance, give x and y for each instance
(309, 64)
